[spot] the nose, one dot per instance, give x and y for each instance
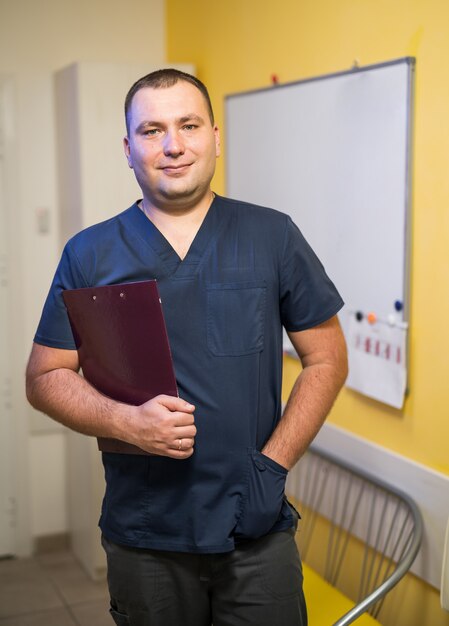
(173, 144)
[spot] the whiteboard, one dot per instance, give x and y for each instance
(333, 152)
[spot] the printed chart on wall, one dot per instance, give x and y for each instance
(334, 153)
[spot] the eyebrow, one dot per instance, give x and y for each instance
(191, 117)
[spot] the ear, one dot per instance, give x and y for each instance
(217, 141)
(127, 150)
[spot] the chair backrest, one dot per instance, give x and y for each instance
(359, 533)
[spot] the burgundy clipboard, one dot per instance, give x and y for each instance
(122, 343)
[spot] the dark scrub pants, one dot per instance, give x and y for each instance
(257, 584)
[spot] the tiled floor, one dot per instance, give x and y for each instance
(51, 590)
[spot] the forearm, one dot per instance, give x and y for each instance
(310, 401)
(163, 425)
(68, 398)
(322, 351)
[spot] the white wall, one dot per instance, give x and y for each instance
(38, 37)
(47, 455)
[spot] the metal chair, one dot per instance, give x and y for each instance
(352, 521)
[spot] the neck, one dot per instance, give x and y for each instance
(180, 226)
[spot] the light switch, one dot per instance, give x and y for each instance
(43, 220)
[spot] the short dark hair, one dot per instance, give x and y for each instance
(161, 79)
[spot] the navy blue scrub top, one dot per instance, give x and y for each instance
(247, 273)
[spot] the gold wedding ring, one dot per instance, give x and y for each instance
(180, 445)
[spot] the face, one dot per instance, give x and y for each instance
(172, 145)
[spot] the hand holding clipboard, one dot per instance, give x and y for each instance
(122, 343)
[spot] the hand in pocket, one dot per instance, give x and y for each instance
(264, 496)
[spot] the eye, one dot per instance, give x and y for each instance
(190, 126)
(151, 132)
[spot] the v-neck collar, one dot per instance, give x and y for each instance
(174, 265)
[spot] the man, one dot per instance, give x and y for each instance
(199, 531)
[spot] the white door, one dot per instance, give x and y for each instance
(7, 499)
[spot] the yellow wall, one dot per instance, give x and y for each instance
(237, 45)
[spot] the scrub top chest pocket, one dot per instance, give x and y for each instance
(236, 318)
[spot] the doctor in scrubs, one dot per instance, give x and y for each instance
(199, 531)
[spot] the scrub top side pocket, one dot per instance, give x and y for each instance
(263, 501)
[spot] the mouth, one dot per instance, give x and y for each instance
(176, 169)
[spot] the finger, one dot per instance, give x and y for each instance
(180, 454)
(183, 444)
(183, 432)
(181, 419)
(173, 403)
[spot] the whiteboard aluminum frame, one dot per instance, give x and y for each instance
(411, 61)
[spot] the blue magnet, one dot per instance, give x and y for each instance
(398, 305)
(359, 316)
